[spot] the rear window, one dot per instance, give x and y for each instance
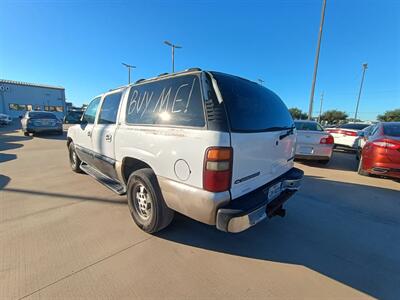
(41, 115)
(252, 107)
(354, 126)
(391, 129)
(311, 126)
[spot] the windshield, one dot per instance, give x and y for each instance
(41, 115)
(354, 126)
(252, 107)
(312, 126)
(391, 129)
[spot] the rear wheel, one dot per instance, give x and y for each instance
(360, 168)
(146, 203)
(74, 160)
(26, 133)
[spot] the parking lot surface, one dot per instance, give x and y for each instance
(63, 235)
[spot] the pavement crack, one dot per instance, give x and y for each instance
(86, 267)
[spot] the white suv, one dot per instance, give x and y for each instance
(212, 146)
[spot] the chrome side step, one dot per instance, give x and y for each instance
(112, 184)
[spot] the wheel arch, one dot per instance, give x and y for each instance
(130, 165)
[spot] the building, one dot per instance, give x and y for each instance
(18, 97)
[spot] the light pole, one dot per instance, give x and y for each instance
(260, 81)
(320, 107)
(173, 46)
(129, 71)
(310, 108)
(365, 67)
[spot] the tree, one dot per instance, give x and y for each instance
(333, 116)
(390, 116)
(297, 114)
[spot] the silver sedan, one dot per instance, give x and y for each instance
(313, 143)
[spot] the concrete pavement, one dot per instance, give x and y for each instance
(63, 235)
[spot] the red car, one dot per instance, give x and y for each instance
(381, 153)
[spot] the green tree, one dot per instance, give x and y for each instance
(297, 113)
(333, 116)
(390, 116)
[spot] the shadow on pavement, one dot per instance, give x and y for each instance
(347, 232)
(344, 161)
(4, 180)
(10, 142)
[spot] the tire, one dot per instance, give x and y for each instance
(146, 203)
(26, 133)
(360, 169)
(74, 160)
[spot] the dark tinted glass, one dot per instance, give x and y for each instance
(109, 109)
(174, 101)
(354, 126)
(251, 107)
(90, 113)
(391, 129)
(308, 126)
(41, 115)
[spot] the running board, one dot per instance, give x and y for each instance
(112, 184)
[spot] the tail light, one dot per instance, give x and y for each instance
(342, 131)
(386, 143)
(327, 140)
(217, 173)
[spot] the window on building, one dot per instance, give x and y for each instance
(109, 109)
(53, 108)
(14, 106)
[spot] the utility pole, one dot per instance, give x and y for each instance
(320, 107)
(365, 67)
(310, 108)
(260, 81)
(173, 46)
(129, 71)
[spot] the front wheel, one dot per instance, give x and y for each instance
(26, 133)
(74, 160)
(146, 203)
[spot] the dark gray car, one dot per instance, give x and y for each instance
(41, 121)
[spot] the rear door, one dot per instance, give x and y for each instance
(103, 134)
(262, 133)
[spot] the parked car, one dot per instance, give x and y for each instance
(73, 117)
(313, 143)
(5, 119)
(381, 153)
(363, 137)
(212, 146)
(39, 122)
(346, 135)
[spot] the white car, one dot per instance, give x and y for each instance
(212, 146)
(5, 119)
(313, 143)
(347, 135)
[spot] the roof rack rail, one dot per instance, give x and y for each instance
(140, 80)
(192, 69)
(163, 74)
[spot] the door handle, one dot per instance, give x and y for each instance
(108, 137)
(89, 133)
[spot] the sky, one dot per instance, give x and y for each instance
(80, 45)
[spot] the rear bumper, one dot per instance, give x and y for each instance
(250, 209)
(43, 129)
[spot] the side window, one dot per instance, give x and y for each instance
(174, 101)
(90, 113)
(109, 109)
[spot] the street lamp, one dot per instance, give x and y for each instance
(129, 71)
(310, 107)
(365, 67)
(173, 46)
